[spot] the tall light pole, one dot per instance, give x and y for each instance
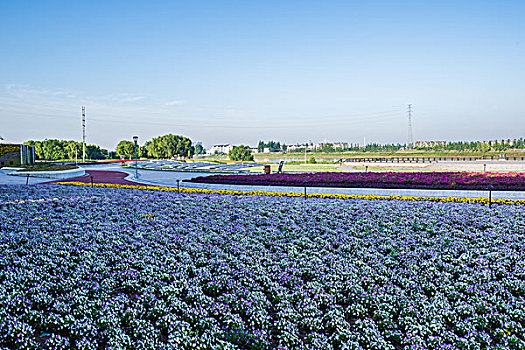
(135, 139)
(83, 134)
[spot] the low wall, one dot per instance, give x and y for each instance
(63, 174)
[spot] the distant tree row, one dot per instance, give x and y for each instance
(474, 146)
(271, 145)
(166, 146)
(63, 149)
(482, 146)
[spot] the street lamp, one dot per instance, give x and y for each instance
(135, 139)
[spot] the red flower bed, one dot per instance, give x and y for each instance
(416, 180)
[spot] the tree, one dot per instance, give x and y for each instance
(95, 152)
(170, 146)
(142, 151)
(53, 150)
(65, 149)
(74, 148)
(199, 149)
(126, 149)
(327, 148)
(260, 147)
(240, 153)
(273, 146)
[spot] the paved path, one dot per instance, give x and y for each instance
(18, 180)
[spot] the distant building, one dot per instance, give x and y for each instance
(292, 148)
(335, 145)
(219, 149)
(15, 154)
(428, 144)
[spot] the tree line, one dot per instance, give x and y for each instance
(473, 146)
(273, 146)
(482, 146)
(166, 146)
(54, 149)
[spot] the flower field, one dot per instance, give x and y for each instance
(97, 268)
(419, 180)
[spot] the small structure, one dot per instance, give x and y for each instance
(220, 149)
(15, 154)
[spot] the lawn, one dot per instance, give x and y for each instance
(94, 268)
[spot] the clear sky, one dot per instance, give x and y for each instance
(242, 71)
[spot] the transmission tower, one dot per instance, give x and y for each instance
(83, 134)
(410, 141)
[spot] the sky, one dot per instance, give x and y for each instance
(238, 72)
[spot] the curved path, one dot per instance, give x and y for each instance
(101, 176)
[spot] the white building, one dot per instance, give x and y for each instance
(421, 144)
(291, 148)
(335, 145)
(219, 149)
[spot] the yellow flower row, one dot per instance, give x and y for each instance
(293, 194)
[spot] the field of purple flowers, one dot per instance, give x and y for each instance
(420, 180)
(95, 268)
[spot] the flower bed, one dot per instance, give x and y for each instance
(88, 268)
(416, 180)
(482, 200)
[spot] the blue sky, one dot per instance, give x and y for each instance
(241, 71)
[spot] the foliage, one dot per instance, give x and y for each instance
(327, 148)
(8, 149)
(312, 160)
(95, 152)
(199, 149)
(240, 153)
(447, 147)
(54, 149)
(126, 149)
(170, 146)
(273, 146)
(110, 268)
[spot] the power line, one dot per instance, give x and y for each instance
(325, 120)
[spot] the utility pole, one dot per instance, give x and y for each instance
(410, 141)
(83, 134)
